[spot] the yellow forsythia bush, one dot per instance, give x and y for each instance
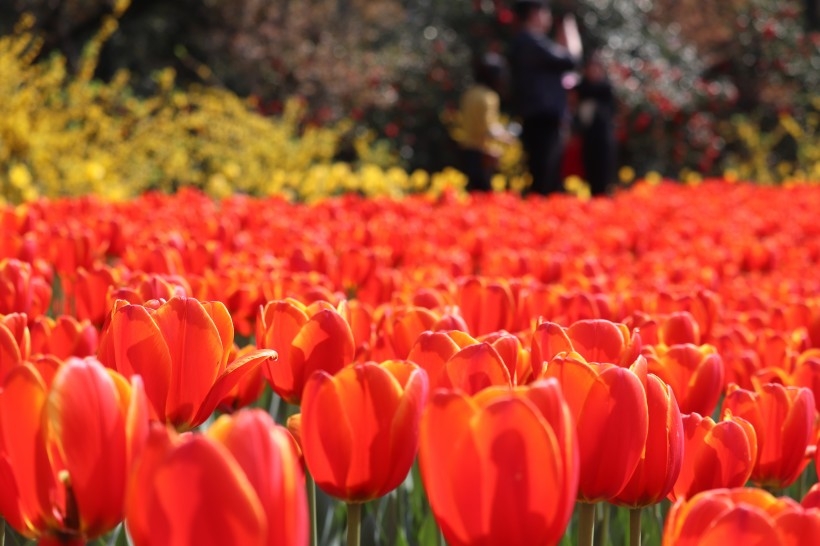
(63, 134)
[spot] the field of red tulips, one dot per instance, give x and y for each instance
(464, 370)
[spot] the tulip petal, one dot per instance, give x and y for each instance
(597, 340)
(660, 464)
(327, 449)
(87, 422)
(705, 386)
(23, 457)
(614, 421)
(474, 368)
(224, 326)
(268, 456)
(196, 352)
(404, 431)
(444, 425)
(238, 369)
(548, 340)
(407, 327)
(431, 352)
(743, 524)
(138, 348)
(9, 351)
(278, 325)
(798, 527)
(193, 493)
(325, 342)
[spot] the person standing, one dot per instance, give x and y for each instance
(538, 67)
(482, 130)
(596, 121)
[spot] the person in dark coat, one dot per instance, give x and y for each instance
(538, 67)
(595, 117)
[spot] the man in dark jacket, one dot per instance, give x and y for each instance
(538, 66)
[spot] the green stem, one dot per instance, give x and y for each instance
(586, 524)
(802, 484)
(311, 494)
(635, 527)
(354, 523)
(602, 537)
(2, 531)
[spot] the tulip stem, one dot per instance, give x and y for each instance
(311, 495)
(586, 524)
(635, 527)
(2, 531)
(354, 523)
(602, 537)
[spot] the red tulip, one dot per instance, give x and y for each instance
(783, 419)
(89, 293)
(359, 427)
(63, 337)
(23, 289)
(522, 444)
(67, 442)
(695, 373)
(548, 340)
(15, 341)
(432, 350)
(270, 459)
(660, 464)
(752, 517)
(596, 340)
(144, 287)
(515, 357)
(307, 338)
(812, 498)
(599, 340)
(249, 388)
(679, 328)
(181, 349)
(398, 329)
(806, 373)
(359, 316)
(473, 368)
(601, 398)
(487, 306)
(241, 483)
(715, 455)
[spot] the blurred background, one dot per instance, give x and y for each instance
(704, 87)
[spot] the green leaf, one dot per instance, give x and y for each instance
(428, 534)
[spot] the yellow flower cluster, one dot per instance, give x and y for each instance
(757, 147)
(63, 135)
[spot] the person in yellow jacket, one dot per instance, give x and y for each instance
(481, 130)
